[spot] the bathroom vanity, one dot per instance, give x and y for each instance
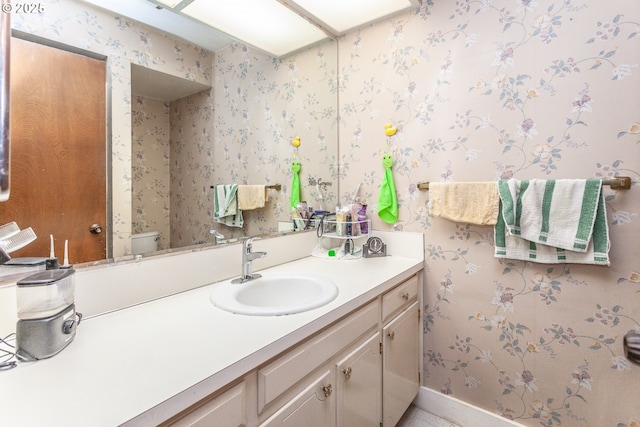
(179, 360)
(363, 369)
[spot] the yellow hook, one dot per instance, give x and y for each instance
(390, 130)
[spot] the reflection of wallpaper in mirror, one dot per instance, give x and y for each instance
(261, 105)
(150, 127)
(240, 134)
(192, 157)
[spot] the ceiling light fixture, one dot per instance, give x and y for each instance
(266, 25)
(342, 16)
(170, 3)
(281, 27)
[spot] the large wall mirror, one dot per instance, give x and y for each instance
(180, 119)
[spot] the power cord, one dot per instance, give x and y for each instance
(7, 352)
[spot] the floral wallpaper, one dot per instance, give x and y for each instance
(150, 171)
(192, 169)
(238, 132)
(261, 104)
(494, 89)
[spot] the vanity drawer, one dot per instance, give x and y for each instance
(225, 410)
(399, 297)
(281, 374)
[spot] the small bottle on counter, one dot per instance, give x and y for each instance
(363, 219)
(341, 217)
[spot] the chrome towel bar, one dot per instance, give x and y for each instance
(616, 183)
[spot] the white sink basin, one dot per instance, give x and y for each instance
(274, 295)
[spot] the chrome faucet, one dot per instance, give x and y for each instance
(217, 234)
(247, 257)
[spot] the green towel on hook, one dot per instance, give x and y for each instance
(387, 200)
(295, 185)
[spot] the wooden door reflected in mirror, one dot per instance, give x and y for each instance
(58, 152)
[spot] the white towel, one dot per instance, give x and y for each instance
(561, 221)
(226, 205)
(467, 202)
(558, 213)
(252, 196)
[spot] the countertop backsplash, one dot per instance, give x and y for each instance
(105, 288)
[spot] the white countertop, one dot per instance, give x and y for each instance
(145, 363)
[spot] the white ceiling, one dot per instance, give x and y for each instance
(158, 85)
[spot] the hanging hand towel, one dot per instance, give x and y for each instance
(466, 202)
(388, 200)
(252, 197)
(225, 209)
(559, 213)
(295, 185)
(511, 244)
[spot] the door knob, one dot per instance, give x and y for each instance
(95, 229)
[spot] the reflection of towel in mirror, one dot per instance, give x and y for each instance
(252, 197)
(388, 200)
(552, 221)
(225, 209)
(295, 184)
(466, 202)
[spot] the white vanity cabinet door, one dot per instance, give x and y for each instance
(280, 375)
(359, 385)
(225, 410)
(315, 406)
(400, 364)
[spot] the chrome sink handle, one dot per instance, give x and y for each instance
(247, 244)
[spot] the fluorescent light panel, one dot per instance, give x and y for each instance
(344, 15)
(170, 3)
(267, 25)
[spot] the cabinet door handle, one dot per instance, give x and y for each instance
(347, 372)
(327, 390)
(405, 296)
(391, 335)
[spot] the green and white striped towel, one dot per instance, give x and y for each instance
(552, 221)
(225, 209)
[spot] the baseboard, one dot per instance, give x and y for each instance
(458, 411)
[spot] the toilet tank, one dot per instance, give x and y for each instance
(144, 242)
